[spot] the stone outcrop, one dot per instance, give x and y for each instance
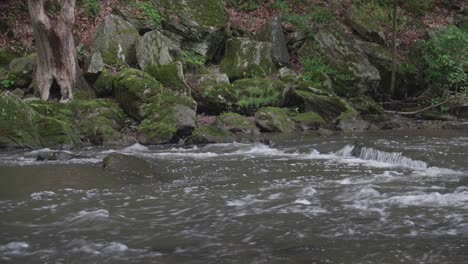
(274, 119)
(273, 33)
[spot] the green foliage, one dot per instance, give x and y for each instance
(193, 58)
(7, 80)
(153, 14)
(446, 59)
(382, 11)
(312, 69)
(91, 7)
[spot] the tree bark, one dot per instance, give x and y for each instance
(56, 51)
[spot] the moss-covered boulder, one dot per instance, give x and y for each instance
(210, 134)
(172, 77)
(245, 58)
(351, 121)
(354, 73)
(22, 126)
(237, 124)
(255, 93)
(308, 121)
(213, 93)
(94, 68)
(363, 24)
(369, 109)
(328, 107)
(104, 85)
(131, 165)
(133, 89)
(274, 119)
(273, 33)
(22, 69)
(96, 122)
(167, 118)
(197, 25)
(6, 56)
(115, 40)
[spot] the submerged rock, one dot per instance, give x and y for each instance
(246, 58)
(129, 164)
(55, 156)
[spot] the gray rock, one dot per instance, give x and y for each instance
(237, 124)
(130, 164)
(95, 67)
(365, 26)
(18, 92)
(172, 77)
(352, 123)
(210, 134)
(345, 57)
(273, 119)
(246, 58)
(273, 32)
(22, 68)
(115, 40)
(185, 120)
(55, 156)
(154, 50)
(213, 93)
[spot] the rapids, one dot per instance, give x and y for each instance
(403, 197)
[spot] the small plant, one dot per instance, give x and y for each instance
(245, 5)
(153, 14)
(6, 79)
(312, 69)
(193, 58)
(91, 7)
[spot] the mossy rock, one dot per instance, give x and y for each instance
(197, 24)
(133, 89)
(104, 85)
(365, 105)
(274, 119)
(22, 126)
(213, 93)
(273, 33)
(354, 75)
(308, 121)
(6, 57)
(363, 24)
(210, 134)
(172, 77)
(22, 69)
(246, 58)
(154, 49)
(328, 107)
(351, 121)
(255, 93)
(115, 40)
(237, 124)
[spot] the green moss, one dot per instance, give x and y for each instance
(253, 94)
(210, 134)
(246, 58)
(236, 123)
(274, 119)
(209, 13)
(309, 117)
(161, 130)
(171, 76)
(214, 97)
(104, 84)
(328, 107)
(55, 133)
(366, 106)
(6, 57)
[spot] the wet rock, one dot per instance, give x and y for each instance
(456, 125)
(364, 26)
(22, 68)
(210, 134)
(325, 132)
(55, 156)
(237, 124)
(274, 119)
(104, 85)
(273, 33)
(308, 121)
(115, 41)
(350, 121)
(245, 58)
(172, 77)
(129, 164)
(369, 110)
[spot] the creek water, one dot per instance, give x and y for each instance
(402, 198)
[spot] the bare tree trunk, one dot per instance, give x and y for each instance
(56, 51)
(394, 67)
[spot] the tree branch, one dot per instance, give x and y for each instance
(422, 110)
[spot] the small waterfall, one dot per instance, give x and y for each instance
(395, 158)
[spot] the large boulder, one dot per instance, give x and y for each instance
(274, 119)
(365, 26)
(95, 67)
(133, 89)
(237, 124)
(308, 121)
(104, 85)
(22, 68)
(115, 41)
(197, 25)
(210, 134)
(273, 32)
(351, 121)
(368, 109)
(172, 77)
(131, 165)
(356, 74)
(154, 50)
(328, 107)
(22, 126)
(245, 58)
(167, 118)
(213, 93)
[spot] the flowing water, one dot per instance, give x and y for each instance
(402, 198)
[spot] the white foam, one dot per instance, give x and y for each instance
(135, 148)
(89, 215)
(14, 248)
(435, 199)
(45, 195)
(302, 201)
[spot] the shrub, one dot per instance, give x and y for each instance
(193, 58)
(153, 14)
(446, 59)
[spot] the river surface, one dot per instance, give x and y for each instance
(403, 198)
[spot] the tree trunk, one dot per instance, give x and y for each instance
(56, 52)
